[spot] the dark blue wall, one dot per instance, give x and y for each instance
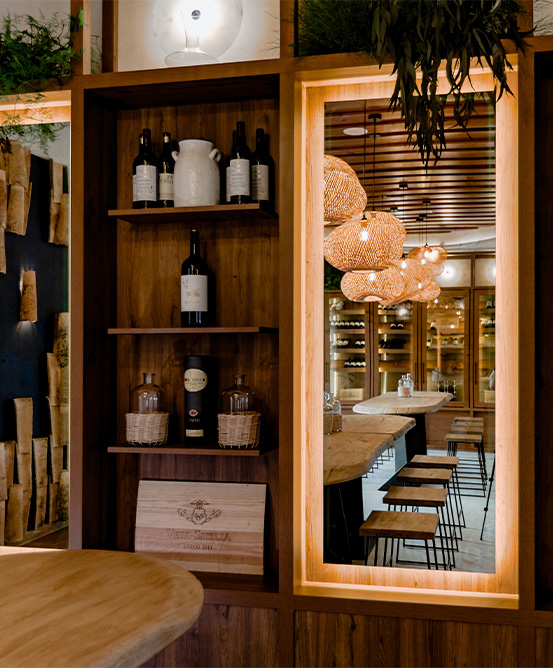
(23, 345)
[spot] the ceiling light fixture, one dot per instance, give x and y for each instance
(368, 242)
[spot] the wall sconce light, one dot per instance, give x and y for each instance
(196, 32)
(28, 308)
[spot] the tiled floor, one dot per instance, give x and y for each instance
(474, 555)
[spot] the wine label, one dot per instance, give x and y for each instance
(238, 178)
(194, 381)
(194, 433)
(165, 186)
(144, 183)
(193, 293)
(260, 182)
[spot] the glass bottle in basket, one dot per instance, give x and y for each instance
(337, 413)
(238, 420)
(147, 423)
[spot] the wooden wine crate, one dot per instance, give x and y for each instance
(216, 527)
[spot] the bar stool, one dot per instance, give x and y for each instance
(402, 498)
(397, 525)
(467, 471)
(443, 462)
(419, 476)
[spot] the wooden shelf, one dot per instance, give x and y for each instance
(394, 330)
(349, 369)
(347, 311)
(180, 449)
(394, 351)
(182, 214)
(353, 330)
(191, 330)
(348, 350)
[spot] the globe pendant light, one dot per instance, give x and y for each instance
(366, 286)
(426, 253)
(372, 242)
(417, 277)
(428, 294)
(344, 196)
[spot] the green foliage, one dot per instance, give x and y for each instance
(333, 277)
(33, 54)
(418, 36)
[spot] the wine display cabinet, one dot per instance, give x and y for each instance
(369, 347)
(130, 282)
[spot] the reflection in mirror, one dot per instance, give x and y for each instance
(409, 478)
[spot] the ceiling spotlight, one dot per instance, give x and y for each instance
(355, 131)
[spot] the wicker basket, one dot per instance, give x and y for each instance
(239, 431)
(147, 428)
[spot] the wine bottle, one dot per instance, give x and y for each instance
(199, 413)
(262, 170)
(238, 168)
(165, 169)
(196, 288)
(144, 170)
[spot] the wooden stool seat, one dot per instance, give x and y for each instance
(463, 437)
(425, 476)
(434, 462)
(391, 524)
(466, 429)
(469, 420)
(425, 497)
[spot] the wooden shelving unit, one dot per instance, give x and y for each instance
(121, 331)
(243, 213)
(208, 450)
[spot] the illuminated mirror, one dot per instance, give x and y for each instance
(418, 468)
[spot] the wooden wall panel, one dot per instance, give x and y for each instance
(544, 647)
(326, 639)
(225, 636)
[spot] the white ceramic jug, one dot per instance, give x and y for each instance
(196, 179)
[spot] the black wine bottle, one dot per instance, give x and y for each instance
(262, 170)
(238, 169)
(144, 171)
(165, 169)
(199, 407)
(197, 303)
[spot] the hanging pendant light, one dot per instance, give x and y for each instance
(371, 242)
(344, 196)
(366, 286)
(417, 277)
(426, 253)
(431, 292)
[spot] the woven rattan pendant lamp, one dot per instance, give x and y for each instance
(371, 242)
(426, 253)
(367, 286)
(429, 293)
(344, 196)
(417, 277)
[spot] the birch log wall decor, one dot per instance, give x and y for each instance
(34, 378)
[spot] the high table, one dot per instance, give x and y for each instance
(416, 406)
(347, 456)
(91, 607)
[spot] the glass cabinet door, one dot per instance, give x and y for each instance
(484, 346)
(396, 343)
(347, 366)
(446, 349)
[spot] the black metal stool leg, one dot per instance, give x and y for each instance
(486, 507)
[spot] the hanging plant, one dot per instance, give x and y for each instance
(418, 36)
(33, 54)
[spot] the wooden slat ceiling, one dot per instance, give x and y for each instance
(460, 186)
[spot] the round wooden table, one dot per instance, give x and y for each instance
(92, 607)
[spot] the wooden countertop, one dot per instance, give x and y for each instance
(92, 608)
(391, 403)
(348, 455)
(393, 425)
